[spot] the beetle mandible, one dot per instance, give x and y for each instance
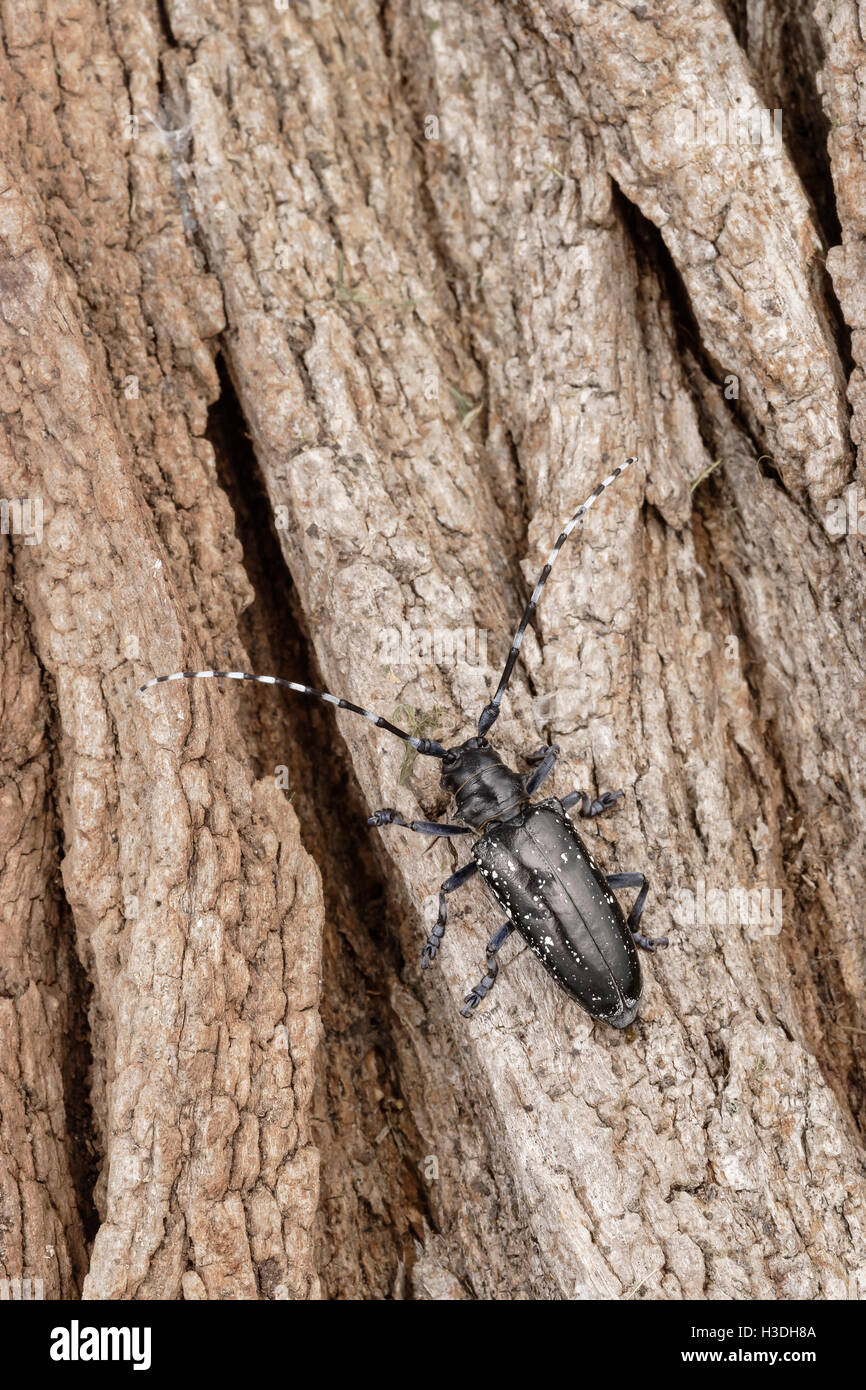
(528, 853)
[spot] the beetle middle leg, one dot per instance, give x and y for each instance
(589, 807)
(641, 881)
(474, 997)
(434, 940)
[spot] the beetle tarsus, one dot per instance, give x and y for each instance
(434, 941)
(474, 997)
(472, 1000)
(588, 807)
(649, 943)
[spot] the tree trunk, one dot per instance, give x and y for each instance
(316, 322)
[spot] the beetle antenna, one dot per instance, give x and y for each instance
(428, 746)
(490, 713)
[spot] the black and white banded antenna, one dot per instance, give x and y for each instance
(427, 746)
(490, 713)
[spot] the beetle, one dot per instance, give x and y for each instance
(528, 853)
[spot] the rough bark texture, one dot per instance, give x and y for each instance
(316, 320)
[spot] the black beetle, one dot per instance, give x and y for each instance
(529, 854)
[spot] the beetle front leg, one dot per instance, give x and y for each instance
(474, 997)
(388, 816)
(434, 940)
(648, 943)
(589, 807)
(546, 760)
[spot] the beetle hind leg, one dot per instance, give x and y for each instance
(434, 940)
(483, 988)
(646, 943)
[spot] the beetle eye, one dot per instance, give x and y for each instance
(450, 757)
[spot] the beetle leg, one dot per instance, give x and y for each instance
(648, 943)
(388, 816)
(474, 997)
(434, 940)
(538, 756)
(546, 759)
(590, 808)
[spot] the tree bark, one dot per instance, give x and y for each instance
(316, 322)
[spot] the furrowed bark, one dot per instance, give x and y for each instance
(198, 914)
(43, 1236)
(456, 265)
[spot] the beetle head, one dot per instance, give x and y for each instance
(464, 762)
